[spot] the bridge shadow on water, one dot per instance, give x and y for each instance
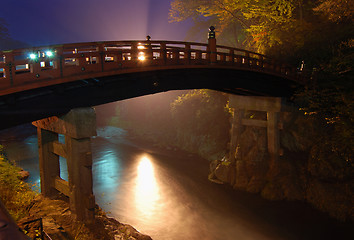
(56, 100)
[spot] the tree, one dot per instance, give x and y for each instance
(6, 42)
(336, 10)
(262, 22)
(4, 33)
(320, 32)
(230, 22)
(330, 104)
(201, 119)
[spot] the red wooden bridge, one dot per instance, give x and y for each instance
(48, 81)
(25, 69)
(44, 81)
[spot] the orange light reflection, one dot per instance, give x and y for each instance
(147, 191)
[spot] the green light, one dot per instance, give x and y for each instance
(32, 56)
(49, 54)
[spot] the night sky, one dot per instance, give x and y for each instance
(45, 22)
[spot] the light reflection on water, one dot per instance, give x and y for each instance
(106, 173)
(146, 190)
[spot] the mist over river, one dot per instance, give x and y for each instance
(166, 193)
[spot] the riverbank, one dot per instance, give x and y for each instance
(26, 205)
(59, 222)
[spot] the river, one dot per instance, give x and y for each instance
(166, 194)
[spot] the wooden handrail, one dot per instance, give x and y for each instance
(74, 61)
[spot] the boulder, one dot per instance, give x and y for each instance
(23, 175)
(222, 172)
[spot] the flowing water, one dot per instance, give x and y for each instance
(166, 194)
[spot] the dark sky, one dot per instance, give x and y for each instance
(45, 22)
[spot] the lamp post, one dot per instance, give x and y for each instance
(212, 45)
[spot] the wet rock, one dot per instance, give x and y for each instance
(23, 175)
(222, 172)
(256, 184)
(242, 178)
(213, 165)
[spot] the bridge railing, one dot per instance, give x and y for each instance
(24, 69)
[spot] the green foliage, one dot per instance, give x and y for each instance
(260, 23)
(330, 104)
(225, 15)
(336, 10)
(202, 122)
(289, 30)
(16, 195)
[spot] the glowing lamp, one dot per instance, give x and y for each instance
(32, 56)
(49, 54)
(141, 57)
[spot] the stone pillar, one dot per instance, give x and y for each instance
(271, 105)
(79, 160)
(273, 135)
(78, 126)
(48, 161)
(235, 133)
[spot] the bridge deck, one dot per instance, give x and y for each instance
(25, 69)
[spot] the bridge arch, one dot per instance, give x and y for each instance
(44, 81)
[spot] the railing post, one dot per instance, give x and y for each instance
(82, 61)
(149, 52)
(261, 61)
(212, 45)
(231, 56)
(175, 55)
(198, 55)
(246, 59)
(187, 54)
(134, 52)
(163, 52)
(35, 67)
(10, 67)
(101, 60)
(223, 57)
(59, 61)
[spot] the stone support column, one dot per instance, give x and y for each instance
(273, 135)
(271, 105)
(77, 126)
(48, 161)
(235, 133)
(79, 160)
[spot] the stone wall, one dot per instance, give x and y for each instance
(291, 177)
